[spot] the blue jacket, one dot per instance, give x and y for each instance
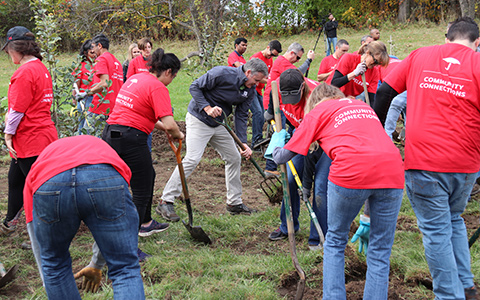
(224, 87)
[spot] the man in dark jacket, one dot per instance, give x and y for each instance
(331, 30)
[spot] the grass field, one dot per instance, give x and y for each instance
(242, 264)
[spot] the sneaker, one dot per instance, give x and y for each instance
(270, 174)
(7, 230)
(315, 247)
(154, 227)
(277, 235)
(167, 211)
(142, 256)
(239, 209)
(471, 293)
(26, 246)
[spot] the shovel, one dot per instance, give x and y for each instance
(272, 186)
(7, 276)
(286, 200)
(196, 232)
(365, 89)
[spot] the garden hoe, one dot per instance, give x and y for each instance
(196, 232)
(7, 276)
(272, 186)
(313, 216)
(286, 200)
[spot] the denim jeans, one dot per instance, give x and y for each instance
(131, 146)
(322, 169)
(343, 206)
(257, 118)
(331, 42)
(398, 105)
(83, 110)
(99, 196)
(438, 199)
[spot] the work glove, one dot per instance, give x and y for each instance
(360, 69)
(277, 140)
(91, 278)
(306, 193)
(363, 233)
(268, 116)
(80, 96)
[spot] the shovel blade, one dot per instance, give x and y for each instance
(9, 276)
(197, 233)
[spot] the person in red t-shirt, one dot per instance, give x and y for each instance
(442, 148)
(347, 74)
(62, 190)
(28, 124)
(107, 69)
(84, 82)
(329, 63)
(365, 165)
(139, 63)
(273, 49)
(235, 59)
(142, 104)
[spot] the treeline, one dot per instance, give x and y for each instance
(208, 20)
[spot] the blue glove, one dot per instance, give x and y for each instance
(277, 140)
(363, 232)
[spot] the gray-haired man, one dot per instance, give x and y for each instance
(215, 92)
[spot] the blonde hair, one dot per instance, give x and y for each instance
(322, 93)
(376, 48)
(130, 49)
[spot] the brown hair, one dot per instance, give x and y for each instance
(376, 48)
(143, 43)
(25, 47)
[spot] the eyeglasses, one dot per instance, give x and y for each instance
(298, 57)
(375, 61)
(293, 93)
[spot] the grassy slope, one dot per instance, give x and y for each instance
(187, 271)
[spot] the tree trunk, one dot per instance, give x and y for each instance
(468, 8)
(403, 10)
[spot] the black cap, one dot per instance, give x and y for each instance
(291, 82)
(17, 33)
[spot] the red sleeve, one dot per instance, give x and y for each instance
(373, 80)
(101, 67)
(324, 66)
(20, 91)
(346, 64)
(232, 58)
(397, 78)
(162, 103)
(303, 136)
(132, 67)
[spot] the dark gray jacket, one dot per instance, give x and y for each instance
(224, 87)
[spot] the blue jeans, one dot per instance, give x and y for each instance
(398, 105)
(99, 196)
(295, 203)
(257, 118)
(333, 43)
(322, 169)
(343, 206)
(438, 199)
(83, 111)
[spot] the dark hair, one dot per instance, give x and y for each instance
(25, 47)
(239, 40)
(342, 42)
(161, 62)
(87, 45)
(143, 43)
(102, 40)
(463, 28)
(275, 45)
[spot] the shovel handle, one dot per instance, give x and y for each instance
(367, 99)
(178, 155)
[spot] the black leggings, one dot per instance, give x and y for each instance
(131, 146)
(17, 174)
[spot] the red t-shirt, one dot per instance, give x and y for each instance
(85, 78)
(328, 64)
(234, 57)
(268, 62)
(443, 132)
(279, 65)
(295, 112)
(107, 64)
(392, 63)
(137, 65)
(141, 102)
(348, 130)
(63, 155)
(354, 87)
(30, 92)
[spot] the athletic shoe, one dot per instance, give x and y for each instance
(315, 247)
(277, 235)
(471, 293)
(270, 174)
(154, 227)
(142, 256)
(167, 211)
(239, 209)
(7, 230)
(26, 246)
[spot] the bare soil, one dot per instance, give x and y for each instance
(207, 183)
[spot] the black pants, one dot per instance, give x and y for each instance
(131, 146)
(17, 174)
